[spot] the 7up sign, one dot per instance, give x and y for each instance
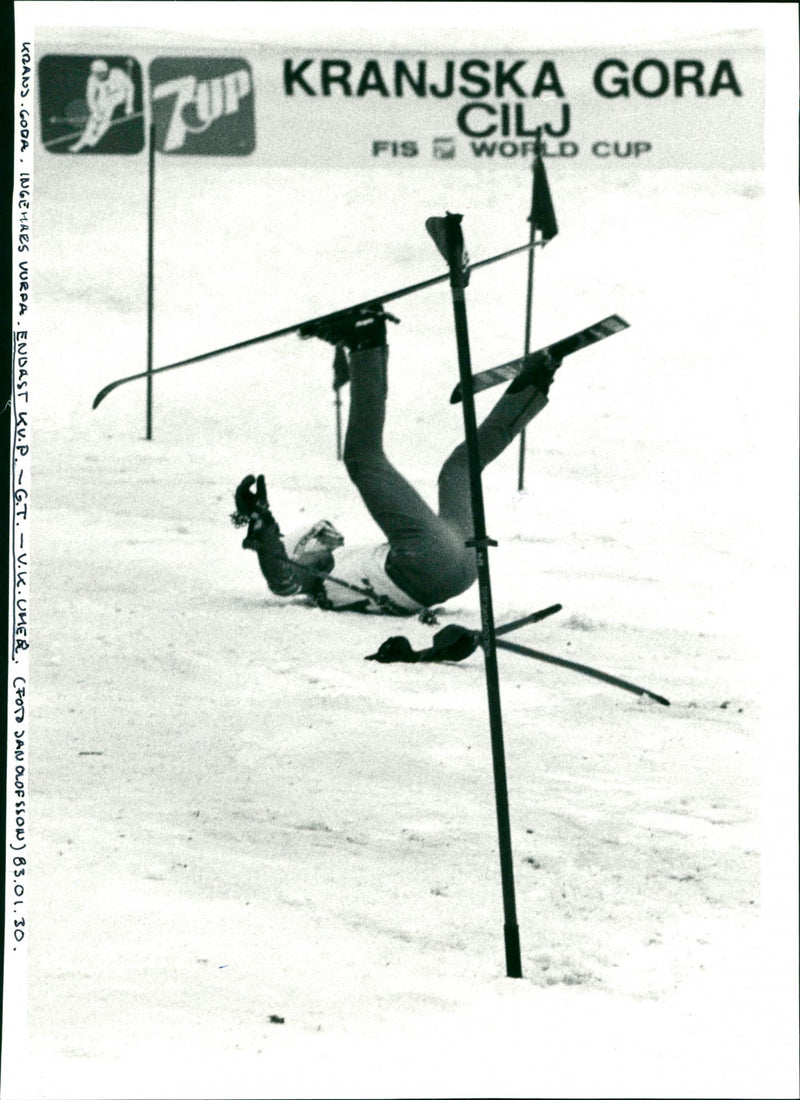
(203, 106)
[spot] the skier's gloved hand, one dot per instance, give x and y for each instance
(452, 643)
(251, 503)
(248, 500)
(395, 649)
(264, 536)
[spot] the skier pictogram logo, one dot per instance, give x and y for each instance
(203, 106)
(91, 104)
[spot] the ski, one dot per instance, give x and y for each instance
(559, 350)
(391, 296)
(456, 643)
(77, 133)
(586, 670)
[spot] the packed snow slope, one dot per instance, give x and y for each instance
(266, 867)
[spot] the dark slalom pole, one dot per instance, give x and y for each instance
(446, 232)
(528, 314)
(150, 220)
(543, 218)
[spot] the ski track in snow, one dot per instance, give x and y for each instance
(237, 818)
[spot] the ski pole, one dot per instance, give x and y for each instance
(338, 406)
(384, 602)
(340, 376)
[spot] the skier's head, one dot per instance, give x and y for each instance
(313, 547)
(99, 68)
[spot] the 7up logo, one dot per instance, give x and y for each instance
(198, 103)
(203, 105)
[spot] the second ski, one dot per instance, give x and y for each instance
(559, 350)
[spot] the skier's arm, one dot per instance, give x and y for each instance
(265, 539)
(264, 536)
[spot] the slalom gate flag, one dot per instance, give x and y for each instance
(542, 216)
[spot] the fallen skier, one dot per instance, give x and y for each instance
(425, 560)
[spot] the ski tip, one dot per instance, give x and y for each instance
(103, 394)
(658, 698)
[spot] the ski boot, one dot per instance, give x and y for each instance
(356, 329)
(539, 373)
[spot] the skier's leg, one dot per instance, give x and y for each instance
(96, 126)
(394, 504)
(83, 140)
(512, 413)
(427, 558)
(99, 126)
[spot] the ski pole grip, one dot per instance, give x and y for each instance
(448, 238)
(455, 249)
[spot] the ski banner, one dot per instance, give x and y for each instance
(672, 107)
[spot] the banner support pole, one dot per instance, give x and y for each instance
(150, 220)
(529, 306)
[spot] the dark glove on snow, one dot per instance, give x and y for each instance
(452, 643)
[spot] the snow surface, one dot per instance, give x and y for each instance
(266, 868)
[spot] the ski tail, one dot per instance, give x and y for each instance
(591, 335)
(535, 617)
(559, 350)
